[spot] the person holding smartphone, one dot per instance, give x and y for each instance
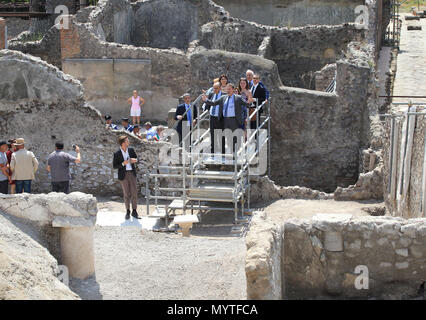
(58, 164)
(124, 160)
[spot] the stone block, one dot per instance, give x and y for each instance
(77, 251)
(328, 222)
(333, 241)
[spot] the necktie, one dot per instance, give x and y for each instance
(189, 114)
(214, 107)
(226, 107)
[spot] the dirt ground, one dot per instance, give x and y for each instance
(282, 210)
(137, 264)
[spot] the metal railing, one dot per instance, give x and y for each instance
(192, 163)
(393, 32)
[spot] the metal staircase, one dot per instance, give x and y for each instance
(209, 182)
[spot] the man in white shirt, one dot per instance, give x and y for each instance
(124, 160)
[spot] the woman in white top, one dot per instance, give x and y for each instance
(136, 103)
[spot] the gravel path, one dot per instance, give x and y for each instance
(131, 264)
(137, 264)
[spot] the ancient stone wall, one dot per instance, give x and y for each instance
(299, 116)
(293, 13)
(326, 257)
(299, 52)
(45, 105)
(48, 48)
(332, 160)
(320, 257)
(263, 259)
(324, 77)
(15, 26)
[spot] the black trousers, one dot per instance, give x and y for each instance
(4, 185)
(232, 124)
(215, 124)
(61, 186)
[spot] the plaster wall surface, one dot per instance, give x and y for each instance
(292, 13)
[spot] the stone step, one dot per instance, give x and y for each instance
(159, 212)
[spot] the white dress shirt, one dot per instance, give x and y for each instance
(127, 157)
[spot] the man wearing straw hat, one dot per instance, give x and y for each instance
(24, 166)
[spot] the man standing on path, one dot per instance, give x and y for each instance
(58, 164)
(4, 168)
(24, 166)
(124, 160)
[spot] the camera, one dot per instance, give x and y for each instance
(74, 146)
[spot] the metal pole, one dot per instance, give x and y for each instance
(184, 177)
(235, 193)
(391, 153)
(269, 138)
(393, 23)
(257, 126)
(156, 182)
(147, 192)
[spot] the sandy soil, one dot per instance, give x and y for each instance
(134, 265)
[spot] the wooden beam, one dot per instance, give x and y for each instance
(24, 14)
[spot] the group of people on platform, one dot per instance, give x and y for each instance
(18, 167)
(229, 105)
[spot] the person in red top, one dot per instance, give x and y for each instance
(12, 149)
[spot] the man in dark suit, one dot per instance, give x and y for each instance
(258, 91)
(183, 117)
(215, 122)
(124, 160)
(230, 108)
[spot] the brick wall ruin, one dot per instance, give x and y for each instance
(2, 33)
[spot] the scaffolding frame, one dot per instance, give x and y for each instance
(189, 171)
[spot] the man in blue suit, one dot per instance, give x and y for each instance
(185, 114)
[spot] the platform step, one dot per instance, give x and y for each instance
(159, 212)
(212, 174)
(187, 218)
(177, 204)
(212, 191)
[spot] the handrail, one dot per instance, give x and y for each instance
(255, 131)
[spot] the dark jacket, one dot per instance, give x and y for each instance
(210, 96)
(260, 95)
(239, 103)
(180, 110)
(118, 160)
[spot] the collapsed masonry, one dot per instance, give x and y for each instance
(318, 138)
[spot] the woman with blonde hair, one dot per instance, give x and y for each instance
(136, 103)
